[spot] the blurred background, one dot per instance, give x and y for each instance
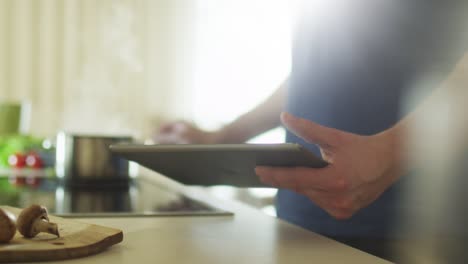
(126, 66)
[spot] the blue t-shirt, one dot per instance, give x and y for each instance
(354, 63)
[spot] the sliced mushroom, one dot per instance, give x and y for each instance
(7, 226)
(34, 220)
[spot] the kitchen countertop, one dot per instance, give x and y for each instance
(249, 236)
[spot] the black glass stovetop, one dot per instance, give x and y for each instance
(138, 197)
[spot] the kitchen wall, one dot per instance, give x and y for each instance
(96, 66)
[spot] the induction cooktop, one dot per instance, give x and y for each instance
(140, 197)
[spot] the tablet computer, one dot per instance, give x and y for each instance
(220, 164)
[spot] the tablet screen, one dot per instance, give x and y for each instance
(220, 164)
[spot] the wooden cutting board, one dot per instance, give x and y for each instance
(76, 240)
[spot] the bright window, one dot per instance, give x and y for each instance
(242, 54)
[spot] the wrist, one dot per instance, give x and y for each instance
(216, 137)
(391, 146)
(225, 135)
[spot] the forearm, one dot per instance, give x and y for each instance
(447, 100)
(262, 118)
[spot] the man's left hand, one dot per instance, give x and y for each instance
(360, 168)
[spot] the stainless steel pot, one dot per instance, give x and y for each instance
(87, 159)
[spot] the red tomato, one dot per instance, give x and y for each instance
(17, 160)
(34, 161)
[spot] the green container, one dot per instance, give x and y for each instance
(10, 116)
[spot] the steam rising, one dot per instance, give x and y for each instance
(105, 91)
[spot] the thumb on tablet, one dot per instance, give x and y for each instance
(311, 132)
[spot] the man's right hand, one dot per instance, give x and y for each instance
(183, 132)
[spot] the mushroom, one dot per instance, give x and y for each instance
(34, 220)
(7, 226)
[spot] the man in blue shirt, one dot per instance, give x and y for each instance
(353, 64)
